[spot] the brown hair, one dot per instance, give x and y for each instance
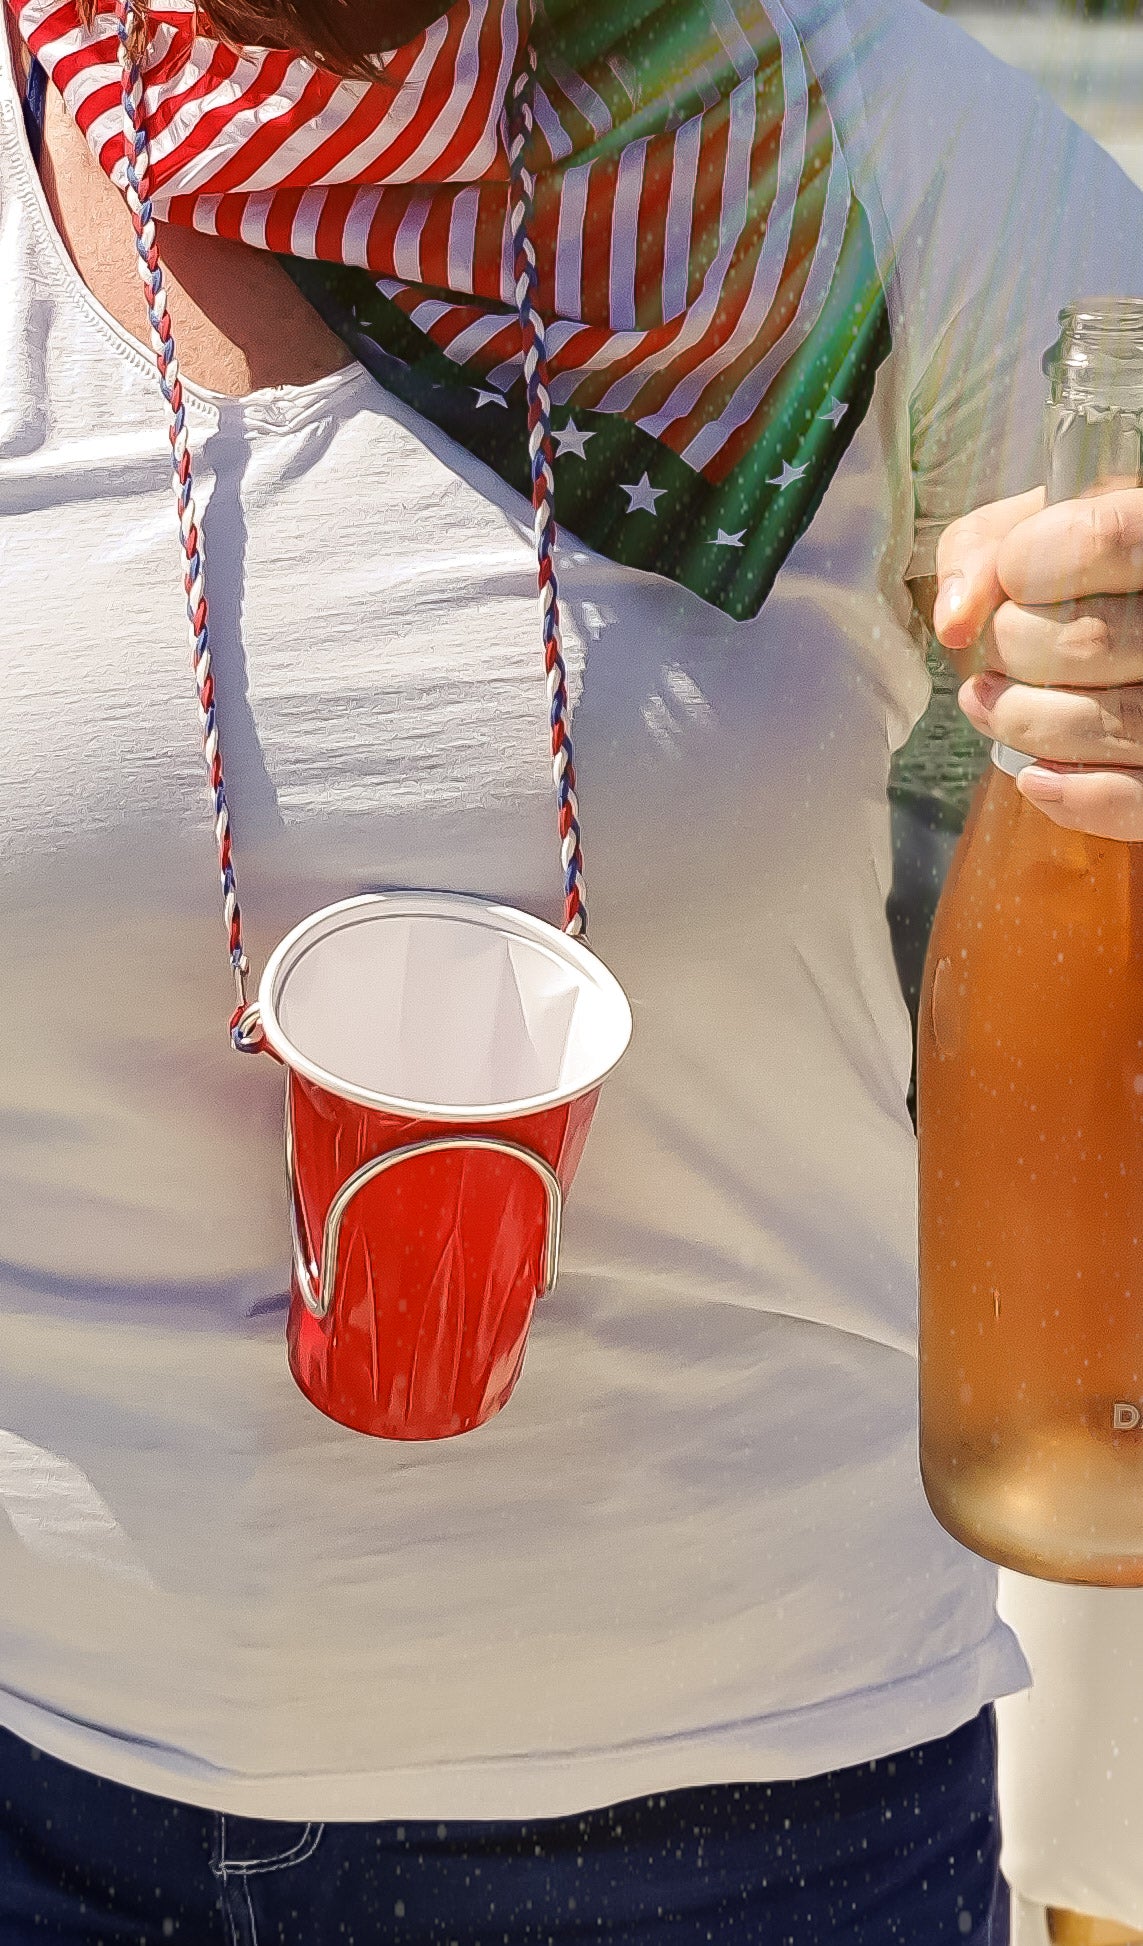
(346, 36)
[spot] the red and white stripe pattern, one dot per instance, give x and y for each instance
(679, 270)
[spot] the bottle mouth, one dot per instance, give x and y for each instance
(1095, 330)
(1101, 315)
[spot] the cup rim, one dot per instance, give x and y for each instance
(456, 906)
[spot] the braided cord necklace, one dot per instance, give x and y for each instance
(245, 1032)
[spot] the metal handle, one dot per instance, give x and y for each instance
(317, 1286)
(247, 1035)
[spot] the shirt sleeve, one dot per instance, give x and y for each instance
(1040, 216)
(1020, 213)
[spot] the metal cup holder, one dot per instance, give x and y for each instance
(317, 1284)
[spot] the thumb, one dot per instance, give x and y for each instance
(968, 587)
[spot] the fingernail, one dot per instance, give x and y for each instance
(988, 687)
(1041, 785)
(951, 594)
(949, 601)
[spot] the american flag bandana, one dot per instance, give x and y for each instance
(715, 315)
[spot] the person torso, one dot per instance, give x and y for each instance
(625, 1560)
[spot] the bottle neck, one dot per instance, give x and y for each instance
(1093, 427)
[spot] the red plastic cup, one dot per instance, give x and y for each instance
(444, 1058)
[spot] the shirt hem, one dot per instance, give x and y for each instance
(782, 1746)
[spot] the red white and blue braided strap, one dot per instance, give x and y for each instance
(521, 195)
(138, 194)
(540, 454)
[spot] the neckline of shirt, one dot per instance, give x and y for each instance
(272, 408)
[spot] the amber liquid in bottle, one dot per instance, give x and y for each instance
(1030, 1156)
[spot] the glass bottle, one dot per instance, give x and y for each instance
(1030, 1117)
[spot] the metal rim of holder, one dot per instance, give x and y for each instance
(318, 1286)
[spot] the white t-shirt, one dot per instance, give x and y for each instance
(694, 1547)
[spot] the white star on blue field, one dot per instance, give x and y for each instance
(642, 497)
(788, 475)
(569, 439)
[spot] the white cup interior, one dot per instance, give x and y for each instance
(443, 1005)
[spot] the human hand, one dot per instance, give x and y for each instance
(1051, 598)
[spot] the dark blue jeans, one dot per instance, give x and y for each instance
(901, 1852)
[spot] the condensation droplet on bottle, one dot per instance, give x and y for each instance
(943, 1009)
